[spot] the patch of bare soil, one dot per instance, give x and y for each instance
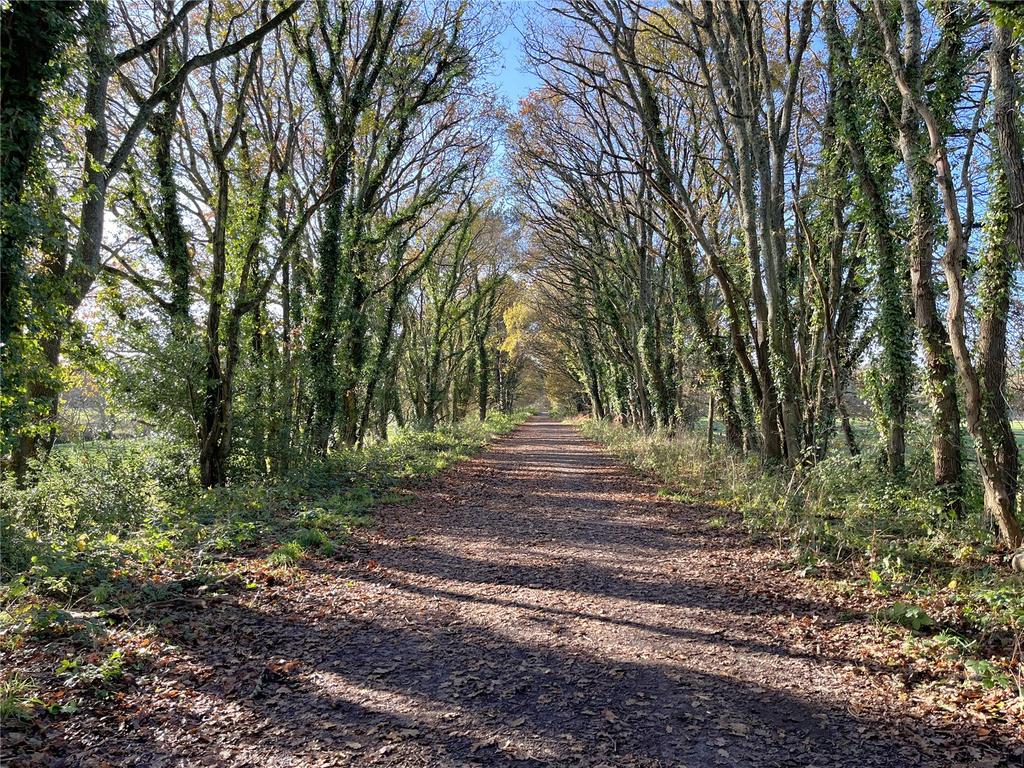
(538, 605)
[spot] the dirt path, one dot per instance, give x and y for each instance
(536, 606)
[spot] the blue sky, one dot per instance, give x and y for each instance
(509, 75)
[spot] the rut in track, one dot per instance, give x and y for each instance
(537, 605)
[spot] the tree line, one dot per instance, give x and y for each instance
(786, 204)
(268, 228)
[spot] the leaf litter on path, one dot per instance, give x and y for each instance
(537, 605)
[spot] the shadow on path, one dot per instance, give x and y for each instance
(538, 605)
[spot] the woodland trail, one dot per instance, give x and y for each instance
(537, 605)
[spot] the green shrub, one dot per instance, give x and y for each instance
(988, 674)
(100, 677)
(86, 494)
(100, 518)
(906, 615)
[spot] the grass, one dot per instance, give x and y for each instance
(306, 541)
(940, 573)
(286, 555)
(17, 698)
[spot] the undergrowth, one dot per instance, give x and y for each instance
(942, 573)
(117, 523)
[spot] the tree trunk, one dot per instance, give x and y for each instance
(916, 146)
(988, 416)
(32, 35)
(483, 377)
(711, 421)
(213, 447)
(287, 402)
(946, 453)
(352, 373)
(324, 338)
(894, 321)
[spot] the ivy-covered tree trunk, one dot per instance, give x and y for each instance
(593, 379)
(988, 413)
(215, 423)
(68, 287)
(651, 362)
(43, 389)
(483, 382)
(905, 61)
(323, 340)
(354, 327)
(939, 365)
(433, 386)
(174, 239)
(894, 324)
(33, 34)
(286, 399)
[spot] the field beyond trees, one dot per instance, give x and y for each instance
(283, 280)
